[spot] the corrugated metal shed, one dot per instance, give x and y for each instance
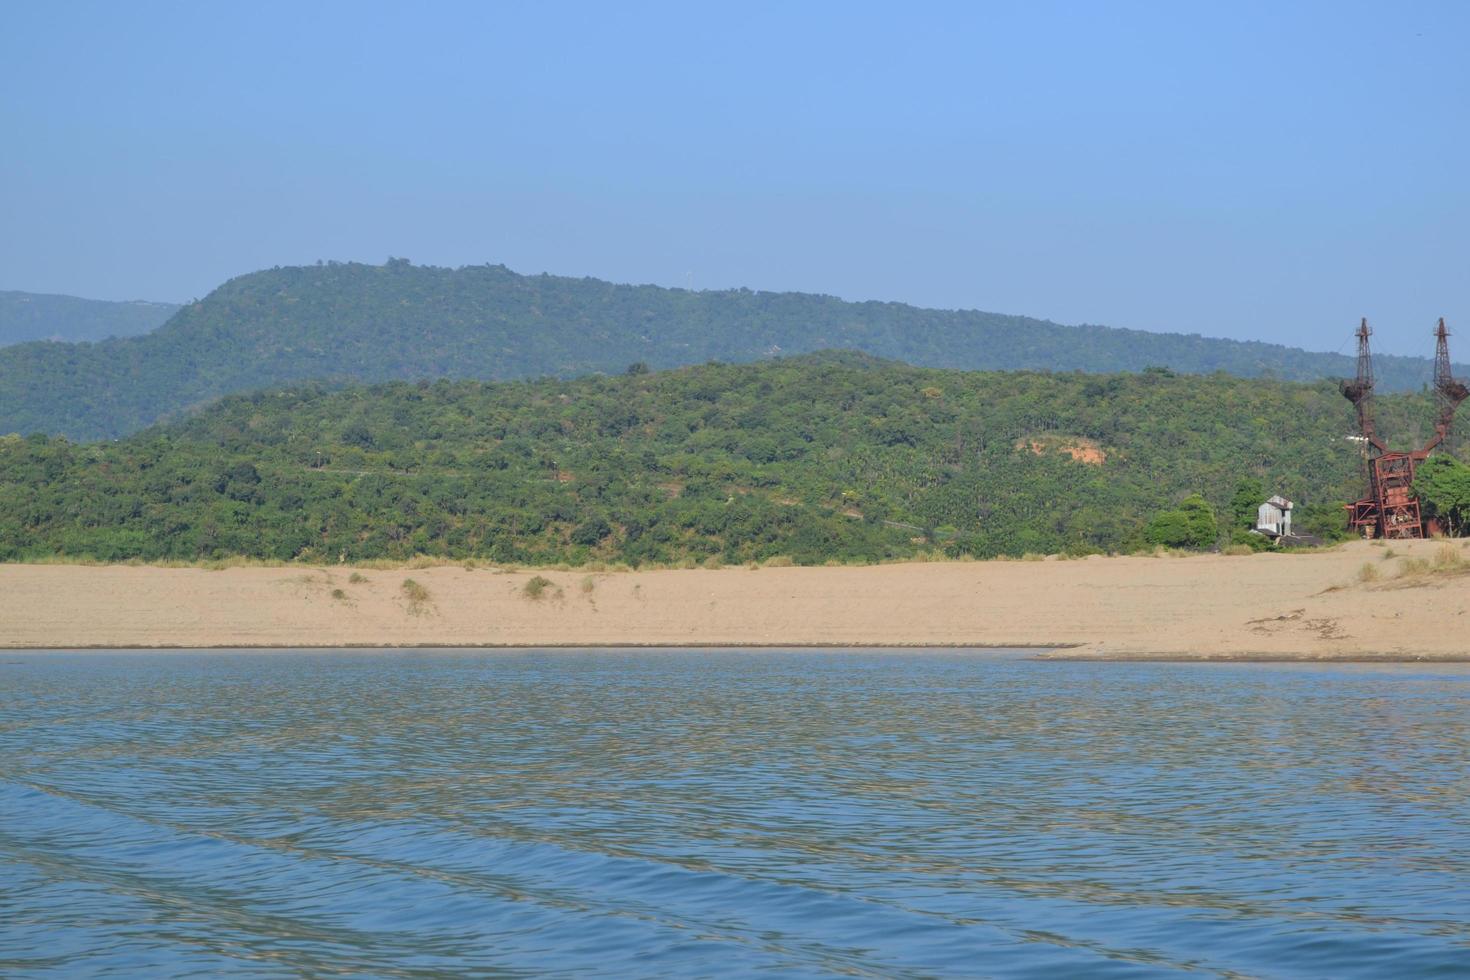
(1274, 517)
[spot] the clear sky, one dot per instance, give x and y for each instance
(1256, 170)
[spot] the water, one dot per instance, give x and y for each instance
(686, 813)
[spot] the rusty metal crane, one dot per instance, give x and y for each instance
(1448, 391)
(1390, 510)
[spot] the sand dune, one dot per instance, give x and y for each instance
(1306, 605)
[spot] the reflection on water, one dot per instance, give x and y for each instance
(406, 814)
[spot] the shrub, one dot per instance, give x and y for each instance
(1248, 540)
(537, 586)
(419, 601)
(591, 531)
(356, 578)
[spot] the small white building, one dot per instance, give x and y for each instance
(1273, 518)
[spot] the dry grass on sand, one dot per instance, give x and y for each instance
(1408, 600)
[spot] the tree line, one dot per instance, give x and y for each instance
(829, 457)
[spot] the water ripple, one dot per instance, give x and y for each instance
(676, 814)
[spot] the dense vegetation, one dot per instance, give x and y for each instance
(42, 316)
(339, 322)
(830, 456)
(1443, 488)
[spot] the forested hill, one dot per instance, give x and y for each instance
(375, 323)
(824, 457)
(43, 316)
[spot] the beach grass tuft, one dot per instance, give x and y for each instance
(419, 600)
(1414, 568)
(539, 587)
(1449, 559)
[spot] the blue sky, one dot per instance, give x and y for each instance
(1254, 170)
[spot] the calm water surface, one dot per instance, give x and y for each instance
(788, 813)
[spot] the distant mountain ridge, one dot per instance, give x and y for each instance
(355, 322)
(49, 316)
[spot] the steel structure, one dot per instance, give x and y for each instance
(1390, 510)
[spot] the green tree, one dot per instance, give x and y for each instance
(1201, 517)
(1249, 494)
(1191, 525)
(1442, 484)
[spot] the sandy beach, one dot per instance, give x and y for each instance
(1207, 606)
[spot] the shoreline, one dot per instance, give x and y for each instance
(1309, 607)
(1045, 654)
(1166, 658)
(360, 647)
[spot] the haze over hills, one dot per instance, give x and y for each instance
(47, 316)
(341, 322)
